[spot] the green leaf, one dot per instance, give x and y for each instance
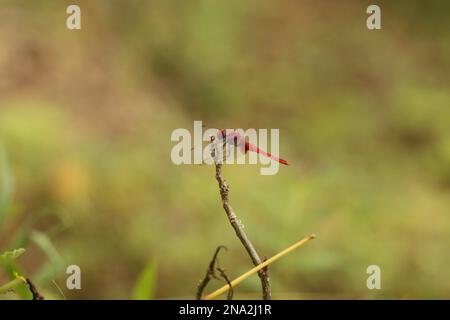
(55, 262)
(11, 255)
(145, 286)
(8, 262)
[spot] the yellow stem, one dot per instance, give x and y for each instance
(254, 270)
(12, 284)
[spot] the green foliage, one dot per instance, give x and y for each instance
(9, 264)
(11, 255)
(145, 286)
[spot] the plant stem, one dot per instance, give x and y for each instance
(244, 276)
(12, 284)
(209, 273)
(224, 194)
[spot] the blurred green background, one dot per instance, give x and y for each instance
(85, 123)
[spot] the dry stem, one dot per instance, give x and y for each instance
(224, 194)
(258, 268)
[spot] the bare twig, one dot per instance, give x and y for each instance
(34, 291)
(257, 268)
(224, 194)
(225, 277)
(209, 273)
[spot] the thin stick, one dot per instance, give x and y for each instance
(259, 267)
(224, 194)
(209, 273)
(227, 280)
(59, 289)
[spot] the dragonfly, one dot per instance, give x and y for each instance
(234, 138)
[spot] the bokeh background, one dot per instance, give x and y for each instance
(85, 124)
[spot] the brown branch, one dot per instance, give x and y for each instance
(257, 268)
(224, 194)
(209, 273)
(227, 280)
(34, 291)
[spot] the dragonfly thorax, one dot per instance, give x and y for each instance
(231, 138)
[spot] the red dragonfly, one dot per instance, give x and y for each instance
(234, 138)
